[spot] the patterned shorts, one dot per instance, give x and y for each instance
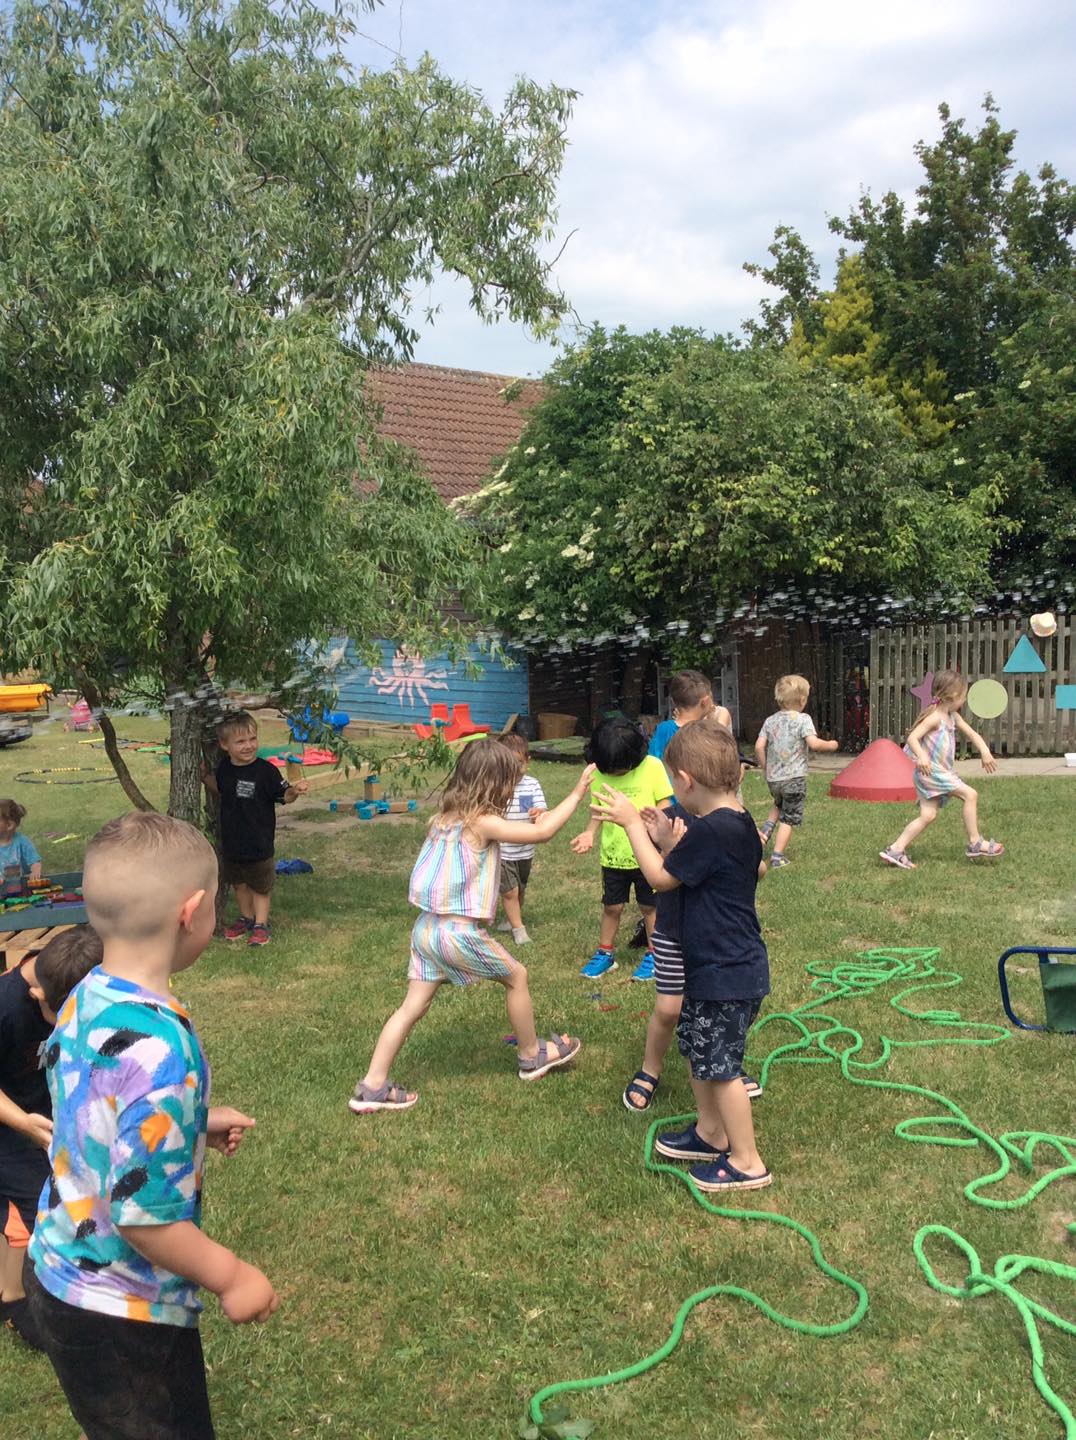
(461, 951)
(789, 797)
(712, 1035)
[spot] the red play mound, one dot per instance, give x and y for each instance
(882, 772)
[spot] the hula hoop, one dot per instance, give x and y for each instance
(30, 777)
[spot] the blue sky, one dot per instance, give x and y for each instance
(701, 126)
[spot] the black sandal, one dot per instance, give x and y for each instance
(637, 1086)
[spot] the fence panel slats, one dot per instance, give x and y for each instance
(1031, 724)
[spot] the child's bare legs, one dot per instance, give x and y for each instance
(650, 915)
(781, 838)
(659, 1033)
(11, 1271)
(396, 1029)
(512, 900)
(611, 924)
(970, 798)
(771, 820)
(928, 813)
(517, 999)
(252, 904)
(725, 1122)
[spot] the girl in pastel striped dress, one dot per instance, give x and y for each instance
(932, 745)
(455, 885)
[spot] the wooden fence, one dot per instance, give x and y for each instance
(1030, 724)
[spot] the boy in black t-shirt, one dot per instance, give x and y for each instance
(30, 996)
(250, 789)
(714, 863)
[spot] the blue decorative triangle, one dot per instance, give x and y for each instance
(1025, 659)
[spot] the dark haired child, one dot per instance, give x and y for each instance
(691, 698)
(118, 1253)
(454, 888)
(714, 863)
(18, 855)
(619, 750)
(527, 803)
(30, 996)
(250, 789)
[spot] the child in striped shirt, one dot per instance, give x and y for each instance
(527, 803)
(454, 886)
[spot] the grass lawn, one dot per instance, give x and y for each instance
(438, 1267)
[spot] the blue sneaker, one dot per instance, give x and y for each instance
(645, 968)
(600, 963)
(688, 1145)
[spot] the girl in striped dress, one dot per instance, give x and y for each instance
(454, 885)
(932, 745)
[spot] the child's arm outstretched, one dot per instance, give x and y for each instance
(930, 721)
(815, 742)
(614, 808)
(583, 843)
(985, 753)
(760, 749)
(529, 832)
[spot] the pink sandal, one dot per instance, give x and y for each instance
(899, 858)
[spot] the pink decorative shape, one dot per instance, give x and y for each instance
(924, 691)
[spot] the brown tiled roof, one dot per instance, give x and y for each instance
(457, 420)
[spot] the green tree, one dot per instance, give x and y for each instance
(938, 309)
(209, 227)
(848, 343)
(794, 273)
(716, 477)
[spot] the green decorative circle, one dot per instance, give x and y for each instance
(988, 699)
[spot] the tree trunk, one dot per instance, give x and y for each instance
(112, 750)
(185, 783)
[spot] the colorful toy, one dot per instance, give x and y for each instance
(55, 900)
(1065, 697)
(1058, 988)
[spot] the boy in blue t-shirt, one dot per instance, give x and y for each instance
(691, 697)
(118, 1253)
(714, 863)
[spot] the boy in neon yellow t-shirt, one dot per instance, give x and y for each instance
(618, 748)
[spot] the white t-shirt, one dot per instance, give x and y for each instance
(526, 797)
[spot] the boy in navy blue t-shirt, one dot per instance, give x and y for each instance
(714, 864)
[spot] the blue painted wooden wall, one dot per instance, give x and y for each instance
(402, 688)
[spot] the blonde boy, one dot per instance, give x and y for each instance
(118, 1253)
(783, 747)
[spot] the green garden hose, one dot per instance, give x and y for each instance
(828, 1041)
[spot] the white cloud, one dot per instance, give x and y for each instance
(701, 126)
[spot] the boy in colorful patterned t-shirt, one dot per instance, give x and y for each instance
(117, 1251)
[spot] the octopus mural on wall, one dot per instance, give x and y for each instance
(406, 677)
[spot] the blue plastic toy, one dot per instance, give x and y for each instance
(299, 725)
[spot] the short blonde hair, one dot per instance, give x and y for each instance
(237, 723)
(139, 869)
(791, 690)
(707, 751)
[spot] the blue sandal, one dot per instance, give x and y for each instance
(637, 1086)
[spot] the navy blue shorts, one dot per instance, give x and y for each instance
(712, 1035)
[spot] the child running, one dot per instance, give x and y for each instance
(714, 863)
(454, 885)
(527, 803)
(783, 746)
(18, 854)
(619, 750)
(932, 745)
